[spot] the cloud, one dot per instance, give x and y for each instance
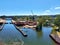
(57, 13)
(51, 11)
(46, 12)
(57, 7)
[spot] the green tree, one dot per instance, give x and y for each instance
(57, 21)
(15, 18)
(40, 22)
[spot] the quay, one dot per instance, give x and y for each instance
(55, 38)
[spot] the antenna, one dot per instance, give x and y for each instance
(32, 12)
(33, 15)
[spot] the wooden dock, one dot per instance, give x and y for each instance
(55, 38)
(22, 32)
(2, 27)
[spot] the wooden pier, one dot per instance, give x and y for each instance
(23, 33)
(1, 26)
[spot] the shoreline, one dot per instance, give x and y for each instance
(55, 38)
(2, 21)
(26, 25)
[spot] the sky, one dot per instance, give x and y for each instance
(29, 7)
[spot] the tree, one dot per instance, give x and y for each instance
(57, 21)
(15, 18)
(40, 22)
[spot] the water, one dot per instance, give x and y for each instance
(38, 38)
(10, 33)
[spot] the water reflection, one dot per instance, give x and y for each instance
(39, 34)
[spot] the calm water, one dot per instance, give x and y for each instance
(38, 38)
(10, 33)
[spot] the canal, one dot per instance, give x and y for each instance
(11, 34)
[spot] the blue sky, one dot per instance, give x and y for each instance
(39, 7)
